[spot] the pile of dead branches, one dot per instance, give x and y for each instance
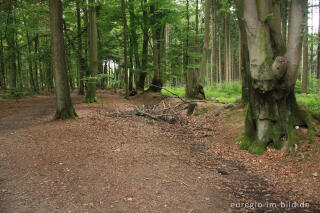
(161, 111)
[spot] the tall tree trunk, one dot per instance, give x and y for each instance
(273, 112)
(145, 31)
(205, 51)
(213, 47)
(2, 68)
(36, 51)
(318, 50)
(229, 53)
(134, 50)
(156, 83)
(194, 89)
(284, 19)
(12, 48)
(81, 61)
(226, 58)
(65, 108)
(304, 83)
(220, 61)
(125, 63)
(93, 54)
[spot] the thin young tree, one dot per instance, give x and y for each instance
(65, 108)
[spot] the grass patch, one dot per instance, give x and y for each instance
(225, 92)
(312, 101)
(16, 95)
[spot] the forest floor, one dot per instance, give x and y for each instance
(111, 160)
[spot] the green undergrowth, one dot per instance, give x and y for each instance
(94, 100)
(226, 92)
(16, 95)
(229, 92)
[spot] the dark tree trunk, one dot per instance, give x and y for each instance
(12, 48)
(318, 50)
(125, 68)
(145, 29)
(2, 69)
(156, 83)
(81, 62)
(213, 47)
(134, 46)
(93, 54)
(36, 47)
(244, 53)
(65, 108)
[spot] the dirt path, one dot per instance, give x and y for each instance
(113, 161)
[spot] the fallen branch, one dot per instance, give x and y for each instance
(164, 117)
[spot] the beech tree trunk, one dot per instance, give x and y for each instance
(125, 65)
(194, 88)
(2, 69)
(205, 51)
(226, 58)
(133, 46)
(12, 49)
(244, 57)
(81, 61)
(93, 54)
(304, 82)
(213, 47)
(156, 33)
(65, 108)
(318, 50)
(145, 30)
(272, 112)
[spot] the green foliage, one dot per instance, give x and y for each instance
(16, 94)
(225, 92)
(312, 101)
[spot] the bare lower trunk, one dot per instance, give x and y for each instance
(64, 105)
(156, 83)
(304, 83)
(213, 47)
(93, 54)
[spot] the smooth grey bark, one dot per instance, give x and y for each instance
(65, 108)
(273, 111)
(304, 81)
(93, 54)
